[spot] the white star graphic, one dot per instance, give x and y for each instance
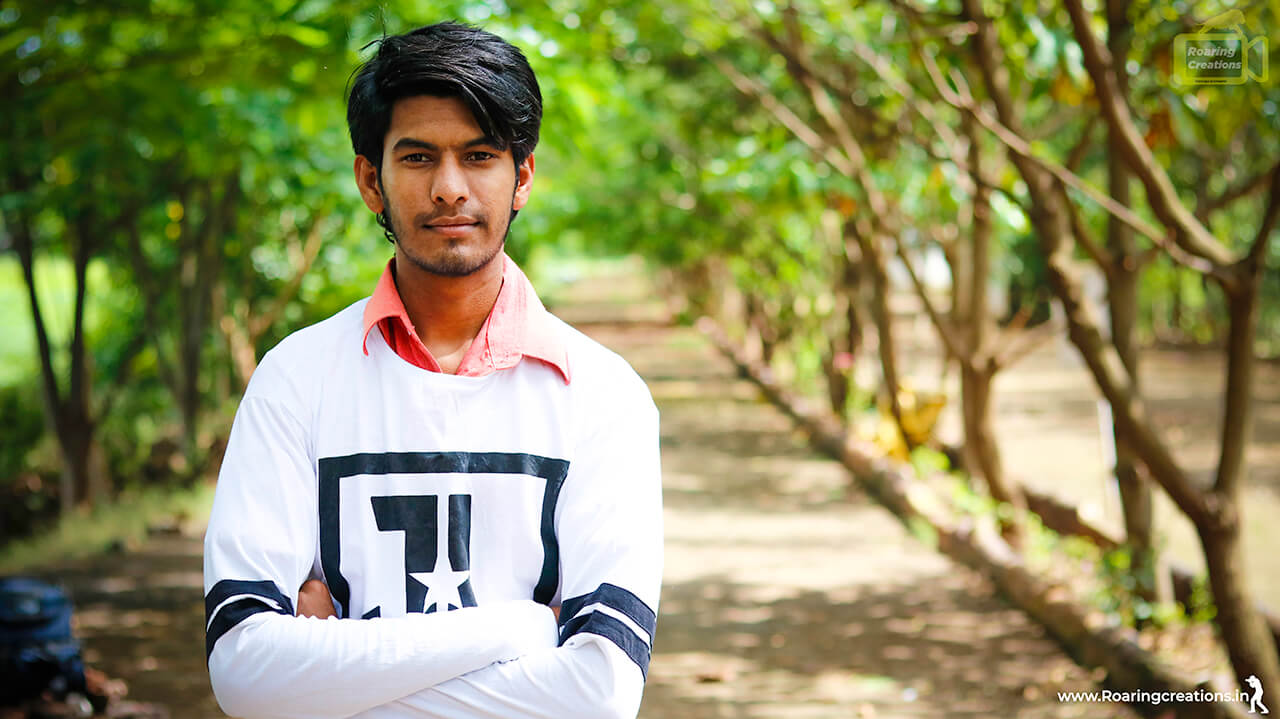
(443, 583)
(442, 587)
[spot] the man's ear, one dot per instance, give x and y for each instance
(367, 181)
(524, 183)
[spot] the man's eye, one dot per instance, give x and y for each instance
(416, 157)
(480, 156)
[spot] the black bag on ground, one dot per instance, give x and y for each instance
(37, 650)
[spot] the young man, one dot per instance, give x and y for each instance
(444, 462)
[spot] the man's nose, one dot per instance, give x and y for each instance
(449, 186)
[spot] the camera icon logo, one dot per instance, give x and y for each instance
(1220, 53)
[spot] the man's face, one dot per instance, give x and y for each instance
(446, 187)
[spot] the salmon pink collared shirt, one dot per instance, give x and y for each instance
(517, 327)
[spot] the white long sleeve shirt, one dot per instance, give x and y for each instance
(445, 514)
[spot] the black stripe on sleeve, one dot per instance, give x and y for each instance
(615, 631)
(614, 597)
(227, 588)
(264, 596)
(229, 616)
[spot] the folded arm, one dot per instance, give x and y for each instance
(610, 526)
(589, 679)
(259, 548)
(279, 666)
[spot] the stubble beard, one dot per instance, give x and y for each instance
(450, 261)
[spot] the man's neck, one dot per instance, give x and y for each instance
(448, 312)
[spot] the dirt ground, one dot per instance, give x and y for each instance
(786, 594)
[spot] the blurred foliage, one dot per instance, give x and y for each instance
(193, 145)
(114, 526)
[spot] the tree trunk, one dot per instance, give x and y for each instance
(982, 453)
(874, 261)
(977, 368)
(1114, 649)
(23, 243)
(1176, 308)
(68, 417)
(1135, 490)
(81, 424)
(1214, 513)
(758, 331)
(240, 345)
(82, 455)
(1136, 495)
(977, 371)
(846, 340)
(1250, 645)
(1136, 499)
(199, 269)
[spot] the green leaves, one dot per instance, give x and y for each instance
(121, 108)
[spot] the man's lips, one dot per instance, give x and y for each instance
(453, 226)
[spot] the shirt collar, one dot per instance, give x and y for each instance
(518, 326)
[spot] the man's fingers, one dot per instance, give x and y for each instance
(314, 600)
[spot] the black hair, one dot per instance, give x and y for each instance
(449, 59)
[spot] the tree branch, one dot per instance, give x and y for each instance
(1239, 191)
(24, 246)
(919, 17)
(1163, 198)
(1076, 156)
(1015, 143)
(785, 115)
(82, 253)
(908, 94)
(794, 53)
(1096, 252)
(309, 250)
(1258, 250)
(1053, 228)
(983, 182)
(802, 72)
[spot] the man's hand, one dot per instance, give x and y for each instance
(314, 600)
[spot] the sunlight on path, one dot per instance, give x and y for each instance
(786, 596)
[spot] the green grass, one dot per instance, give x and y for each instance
(123, 521)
